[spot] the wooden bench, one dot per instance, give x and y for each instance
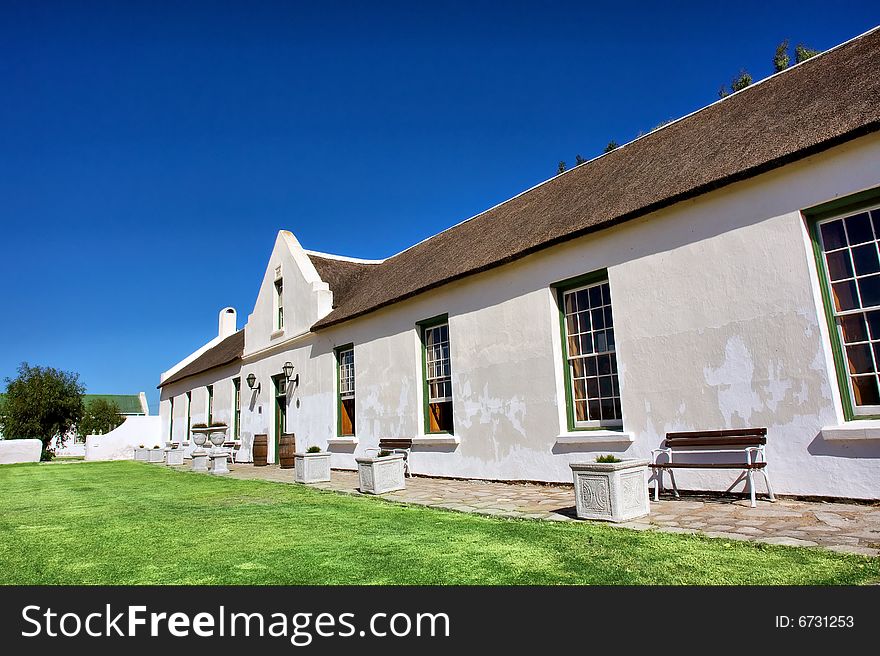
(396, 445)
(748, 441)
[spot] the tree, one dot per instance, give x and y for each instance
(781, 59)
(741, 81)
(101, 416)
(560, 168)
(578, 160)
(802, 53)
(42, 403)
(612, 145)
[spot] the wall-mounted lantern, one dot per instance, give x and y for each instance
(288, 373)
(252, 382)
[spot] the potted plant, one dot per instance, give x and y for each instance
(156, 454)
(313, 466)
(611, 489)
(381, 473)
(173, 454)
(140, 453)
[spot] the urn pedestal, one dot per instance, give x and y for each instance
(140, 453)
(611, 491)
(155, 456)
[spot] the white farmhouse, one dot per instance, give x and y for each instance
(719, 272)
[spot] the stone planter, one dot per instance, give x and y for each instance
(612, 491)
(381, 475)
(155, 455)
(140, 453)
(311, 467)
(173, 457)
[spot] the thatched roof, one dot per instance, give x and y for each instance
(227, 351)
(342, 275)
(823, 102)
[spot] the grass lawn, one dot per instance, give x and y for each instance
(135, 523)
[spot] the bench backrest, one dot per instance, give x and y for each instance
(729, 437)
(395, 443)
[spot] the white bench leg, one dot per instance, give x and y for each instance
(674, 485)
(658, 483)
(751, 479)
(769, 487)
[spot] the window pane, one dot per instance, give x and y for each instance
(595, 296)
(832, 235)
(580, 389)
(858, 228)
(601, 342)
(591, 366)
(593, 388)
(586, 344)
(580, 411)
(577, 367)
(853, 328)
(570, 304)
(874, 323)
(574, 346)
(865, 258)
(869, 288)
(865, 390)
(598, 317)
(605, 387)
(608, 409)
(859, 358)
(839, 265)
(844, 295)
(604, 362)
(595, 414)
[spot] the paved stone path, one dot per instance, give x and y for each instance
(843, 527)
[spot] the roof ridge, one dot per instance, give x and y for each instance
(342, 258)
(638, 138)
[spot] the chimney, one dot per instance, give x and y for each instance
(227, 322)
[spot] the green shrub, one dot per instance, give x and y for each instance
(313, 449)
(608, 458)
(383, 453)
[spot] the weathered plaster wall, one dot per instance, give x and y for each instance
(717, 319)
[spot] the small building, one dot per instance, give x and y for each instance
(720, 272)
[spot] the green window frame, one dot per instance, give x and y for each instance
(171, 420)
(845, 235)
(210, 413)
(236, 408)
(437, 398)
(589, 353)
(189, 402)
(345, 391)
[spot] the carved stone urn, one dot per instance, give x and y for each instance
(611, 491)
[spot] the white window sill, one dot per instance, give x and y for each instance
(594, 437)
(436, 440)
(345, 441)
(859, 429)
(276, 334)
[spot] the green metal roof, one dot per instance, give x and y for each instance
(129, 404)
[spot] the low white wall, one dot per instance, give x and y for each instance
(13, 451)
(119, 443)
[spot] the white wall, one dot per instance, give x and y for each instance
(718, 325)
(119, 443)
(15, 451)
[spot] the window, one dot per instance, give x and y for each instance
(846, 242)
(210, 412)
(171, 420)
(345, 385)
(279, 304)
(236, 408)
(437, 375)
(590, 362)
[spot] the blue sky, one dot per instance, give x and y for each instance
(149, 152)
